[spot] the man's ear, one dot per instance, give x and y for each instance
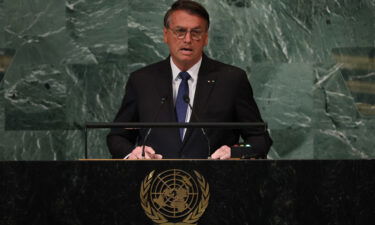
(165, 38)
(206, 40)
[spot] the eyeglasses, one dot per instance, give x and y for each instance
(180, 33)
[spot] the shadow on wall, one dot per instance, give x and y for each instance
(6, 56)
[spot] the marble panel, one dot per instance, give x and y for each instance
(36, 85)
(58, 73)
(145, 27)
(28, 21)
(310, 63)
(42, 145)
(259, 31)
(338, 24)
(99, 25)
(2, 18)
(284, 102)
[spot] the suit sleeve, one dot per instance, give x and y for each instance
(121, 141)
(247, 111)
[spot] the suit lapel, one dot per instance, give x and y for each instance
(163, 85)
(205, 84)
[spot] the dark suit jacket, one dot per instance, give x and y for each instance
(228, 99)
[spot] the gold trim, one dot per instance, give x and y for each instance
(355, 62)
(366, 109)
(150, 212)
(361, 87)
(198, 212)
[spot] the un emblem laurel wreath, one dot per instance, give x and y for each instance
(158, 218)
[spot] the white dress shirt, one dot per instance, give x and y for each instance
(192, 82)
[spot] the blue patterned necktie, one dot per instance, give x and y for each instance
(181, 105)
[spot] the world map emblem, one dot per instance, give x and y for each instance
(174, 196)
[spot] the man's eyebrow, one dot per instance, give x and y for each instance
(179, 27)
(194, 28)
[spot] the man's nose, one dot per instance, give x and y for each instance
(187, 37)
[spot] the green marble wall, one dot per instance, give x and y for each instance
(311, 64)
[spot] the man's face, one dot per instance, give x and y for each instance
(188, 50)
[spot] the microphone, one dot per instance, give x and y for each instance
(187, 101)
(162, 101)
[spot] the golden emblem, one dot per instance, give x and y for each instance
(174, 197)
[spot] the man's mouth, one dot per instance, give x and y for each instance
(187, 50)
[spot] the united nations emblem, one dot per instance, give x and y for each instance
(174, 197)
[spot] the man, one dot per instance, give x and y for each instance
(162, 92)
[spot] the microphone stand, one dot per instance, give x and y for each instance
(163, 100)
(187, 101)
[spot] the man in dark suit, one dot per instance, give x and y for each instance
(163, 91)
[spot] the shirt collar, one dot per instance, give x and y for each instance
(193, 71)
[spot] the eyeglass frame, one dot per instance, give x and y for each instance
(185, 31)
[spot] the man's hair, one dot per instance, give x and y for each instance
(189, 6)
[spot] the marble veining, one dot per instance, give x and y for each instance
(311, 65)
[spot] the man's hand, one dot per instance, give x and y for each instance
(223, 152)
(149, 153)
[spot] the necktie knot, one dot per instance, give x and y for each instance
(185, 76)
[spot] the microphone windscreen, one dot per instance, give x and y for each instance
(186, 99)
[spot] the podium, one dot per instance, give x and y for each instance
(228, 192)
